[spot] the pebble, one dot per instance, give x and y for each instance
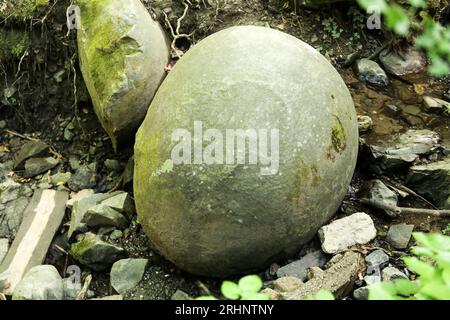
(399, 235)
(40, 283)
(346, 232)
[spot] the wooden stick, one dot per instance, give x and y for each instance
(83, 292)
(403, 210)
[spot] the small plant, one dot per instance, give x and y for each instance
(433, 37)
(248, 288)
(332, 28)
(431, 263)
(446, 230)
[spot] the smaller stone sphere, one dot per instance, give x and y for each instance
(247, 149)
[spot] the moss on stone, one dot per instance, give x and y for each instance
(22, 9)
(338, 137)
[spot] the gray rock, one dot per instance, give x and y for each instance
(115, 235)
(85, 193)
(245, 200)
(391, 274)
(113, 164)
(361, 293)
(35, 166)
(2, 124)
(372, 279)
(11, 190)
(338, 278)
(11, 216)
(369, 71)
(29, 150)
(60, 178)
(40, 283)
(4, 246)
(71, 288)
(95, 253)
(405, 150)
(180, 295)
(399, 235)
(376, 259)
(432, 181)
(122, 82)
(409, 62)
(127, 273)
(80, 208)
(300, 267)
(346, 232)
(84, 178)
(122, 202)
(376, 190)
(103, 216)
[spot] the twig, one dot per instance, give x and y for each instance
(204, 288)
(13, 133)
(401, 187)
(82, 294)
(403, 210)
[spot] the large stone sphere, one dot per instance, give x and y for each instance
(222, 216)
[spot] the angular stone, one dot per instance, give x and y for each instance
(29, 150)
(95, 253)
(122, 66)
(11, 216)
(369, 71)
(338, 278)
(410, 62)
(399, 235)
(41, 220)
(300, 267)
(391, 274)
(84, 178)
(432, 181)
(103, 216)
(4, 246)
(36, 166)
(127, 273)
(346, 232)
(80, 208)
(287, 284)
(376, 190)
(122, 202)
(361, 293)
(61, 178)
(376, 259)
(85, 193)
(40, 283)
(300, 94)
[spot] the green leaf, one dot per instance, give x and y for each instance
(382, 291)
(443, 260)
(405, 287)
(254, 296)
(446, 277)
(250, 283)
(436, 291)
(230, 290)
(421, 268)
(206, 298)
(366, 4)
(418, 3)
(439, 67)
(397, 20)
(324, 295)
